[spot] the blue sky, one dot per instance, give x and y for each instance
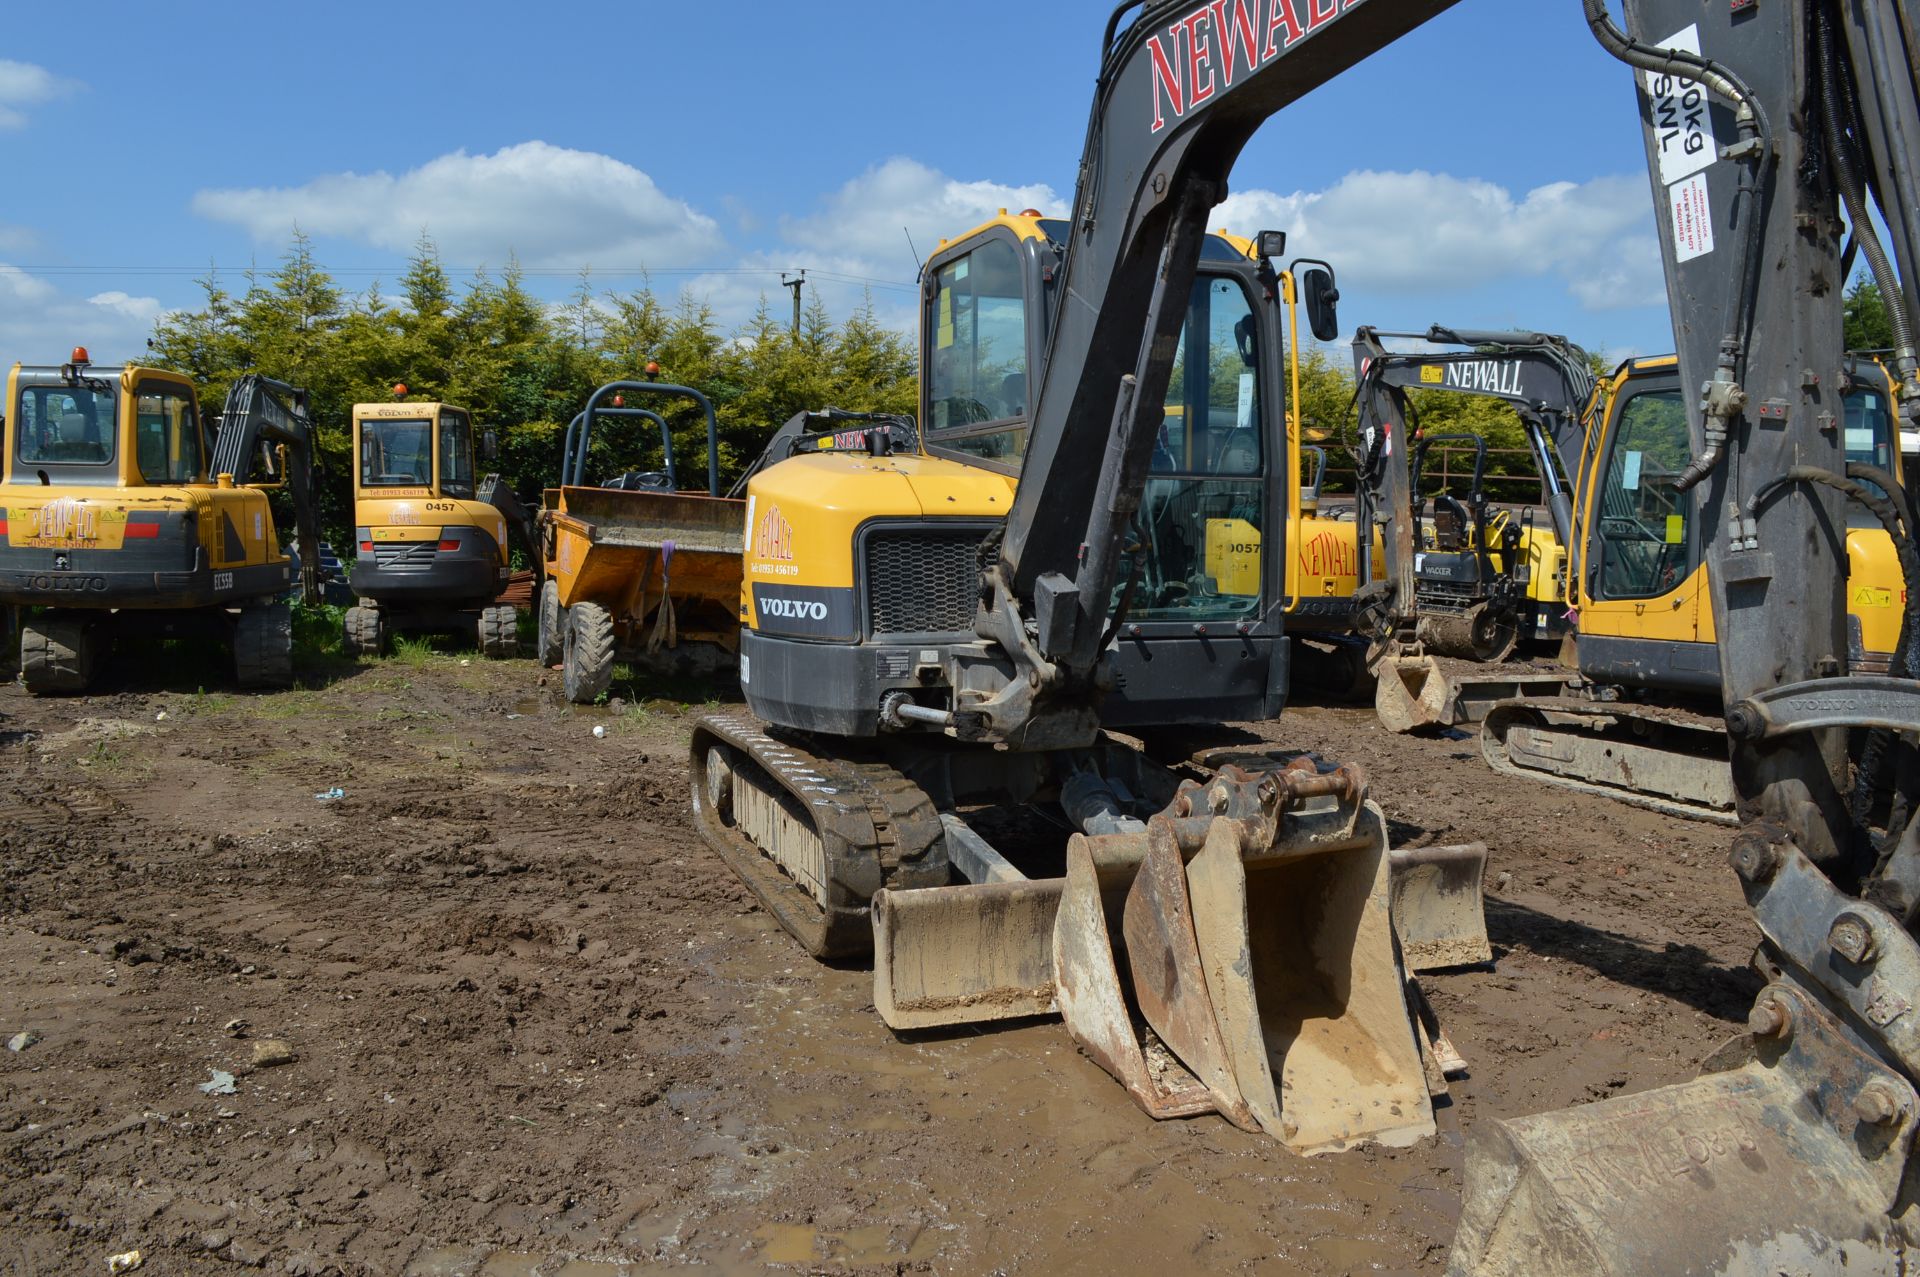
(1486, 171)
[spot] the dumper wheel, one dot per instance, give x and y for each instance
(263, 646)
(365, 631)
(550, 639)
(56, 654)
(588, 659)
(499, 633)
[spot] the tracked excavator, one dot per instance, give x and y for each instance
(1640, 716)
(433, 539)
(1484, 578)
(119, 516)
(1651, 649)
(1216, 939)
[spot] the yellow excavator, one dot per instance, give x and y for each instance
(119, 515)
(933, 654)
(1640, 718)
(432, 538)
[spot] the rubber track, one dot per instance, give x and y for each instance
(499, 633)
(1493, 749)
(263, 646)
(878, 827)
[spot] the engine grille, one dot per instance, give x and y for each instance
(923, 581)
(404, 556)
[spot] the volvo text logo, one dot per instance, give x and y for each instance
(797, 609)
(47, 583)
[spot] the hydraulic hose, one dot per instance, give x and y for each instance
(1905, 662)
(1836, 116)
(1723, 397)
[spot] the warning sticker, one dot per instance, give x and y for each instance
(1677, 112)
(1692, 218)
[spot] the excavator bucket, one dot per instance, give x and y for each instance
(1438, 909)
(1299, 960)
(1789, 1162)
(1265, 976)
(1410, 693)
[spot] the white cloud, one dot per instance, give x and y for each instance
(24, 84)
(144, 309)
(45, 323)
(865, 219)
(554, 206)
(1420, 232)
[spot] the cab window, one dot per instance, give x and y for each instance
(1199, 532)
(978, 362)
(65, 425)
(1645, 523)
(1869, 440)
(166, 435)
(456, 454)
(396, 453)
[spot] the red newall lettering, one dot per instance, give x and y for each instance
(1164, 78)
(1316, 16)
(1199, 58)
(1226, 30)
(1283, 15)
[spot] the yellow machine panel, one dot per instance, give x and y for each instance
(802, 516)
(1233, 556)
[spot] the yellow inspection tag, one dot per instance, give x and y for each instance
(1676, 529)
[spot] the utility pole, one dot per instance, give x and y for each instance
(796, 283)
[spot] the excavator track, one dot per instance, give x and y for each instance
(812, 832)
(1666, 760)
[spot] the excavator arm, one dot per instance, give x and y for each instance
(1547, 379)
(260, 410)
(1181, 89)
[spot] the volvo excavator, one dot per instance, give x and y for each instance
(1481, 579)
(118, 515)
(433, 541)
(930, 655)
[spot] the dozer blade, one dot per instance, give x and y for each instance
(965, 954)
(1775, 1166)
(1087, 981)
(1298, 950)
(1439, 911)
(1410, 693)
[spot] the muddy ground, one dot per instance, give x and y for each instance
(539, 1029)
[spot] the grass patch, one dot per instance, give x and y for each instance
(412, 650)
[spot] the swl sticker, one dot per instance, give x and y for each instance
(1677, 111)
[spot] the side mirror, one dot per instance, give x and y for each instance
(1322, 297)
(489, 445)
(1243, 337)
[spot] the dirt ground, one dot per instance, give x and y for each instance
(539, 1029)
